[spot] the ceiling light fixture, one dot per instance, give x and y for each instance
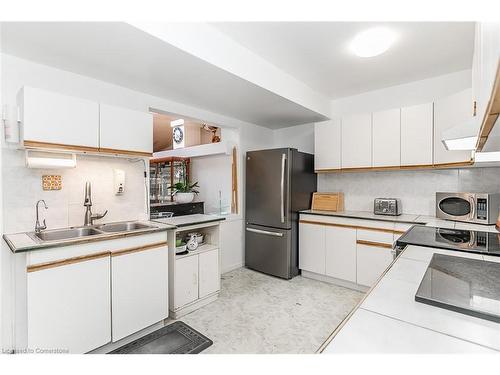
(372, 42)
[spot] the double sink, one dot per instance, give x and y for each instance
(82, 232)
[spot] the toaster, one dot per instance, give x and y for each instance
(387, 206)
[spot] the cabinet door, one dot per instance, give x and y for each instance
(327, 145)
(451, 111)
(139, 290)
(186, 281)
(126, 130)
(340, 244)
(386, 138)
(208, 266)
(416, 135)
(357, 141)
(69, 306)
(372, 261)
(58, 119)
(312, 248)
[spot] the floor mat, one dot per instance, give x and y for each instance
(176, 338)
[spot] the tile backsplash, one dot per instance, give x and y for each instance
(416, 189)
(22, 187)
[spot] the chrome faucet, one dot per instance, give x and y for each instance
(89, 217)
(38, 227)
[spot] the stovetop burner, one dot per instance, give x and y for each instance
(452, 239)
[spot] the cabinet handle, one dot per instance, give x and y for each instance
(65, 262)
(375, 244)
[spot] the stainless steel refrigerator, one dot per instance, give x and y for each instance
(279, 183)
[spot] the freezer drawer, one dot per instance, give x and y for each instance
(269, 250)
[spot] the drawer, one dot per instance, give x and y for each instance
(375, 236)
(348, 222)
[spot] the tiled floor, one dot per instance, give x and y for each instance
(257, 313)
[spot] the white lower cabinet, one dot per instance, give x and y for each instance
(186, 281)
(340, 253)
(312, 248)
(139, 290)
(208, 269)
(372, 261)
(69, 305)
(353, 250)
(196, 276)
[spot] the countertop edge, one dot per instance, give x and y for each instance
(98, 238)
(354, 216)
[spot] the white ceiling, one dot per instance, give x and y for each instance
(124, 55)
(317, 52)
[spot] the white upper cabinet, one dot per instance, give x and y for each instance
(449, 112)
(327, 145)
(123, 129)
(357, 141)
(386, 127)
(485, 63)
(58, 119)
(416, 135)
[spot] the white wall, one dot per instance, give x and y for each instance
(412, 93)
(300, 137)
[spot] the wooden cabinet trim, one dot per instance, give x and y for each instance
(350, 226)
(375, 244)
(491, 114)
(398, 168)
(58, 146)
(125, 152)
(67, 261)
(138, 249)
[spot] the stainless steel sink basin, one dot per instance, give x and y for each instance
(123, 227)
(66, 234)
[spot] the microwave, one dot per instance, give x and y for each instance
(480, 208)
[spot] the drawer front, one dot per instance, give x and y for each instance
(350, 222)
(375, 236)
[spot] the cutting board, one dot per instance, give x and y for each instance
(328, 201)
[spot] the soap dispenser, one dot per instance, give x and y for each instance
(119, 181)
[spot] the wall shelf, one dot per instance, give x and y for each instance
(218, 148)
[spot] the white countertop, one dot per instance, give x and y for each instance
(389, 320)
(186, 220)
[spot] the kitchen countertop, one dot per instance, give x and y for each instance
(405, 219)
(187, 220)
(22, 242)
(389, 320)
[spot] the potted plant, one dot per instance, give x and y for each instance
(183, 191)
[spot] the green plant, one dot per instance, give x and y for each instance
(185, 187)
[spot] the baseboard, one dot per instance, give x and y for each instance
(232, 267)
(333, 280)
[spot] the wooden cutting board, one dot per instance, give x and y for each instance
(328, 201)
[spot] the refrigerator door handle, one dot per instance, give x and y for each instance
(283, 165)
(275, 234)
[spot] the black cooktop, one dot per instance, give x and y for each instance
(452, 239)
(468, 286)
